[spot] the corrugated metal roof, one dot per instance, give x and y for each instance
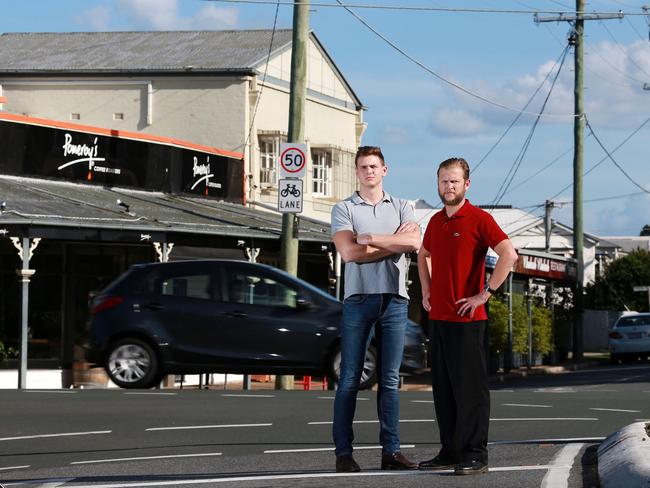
(173, 51)
(31, 201)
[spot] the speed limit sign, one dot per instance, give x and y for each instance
(293, 160)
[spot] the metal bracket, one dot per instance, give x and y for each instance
(159, 251)
(33, 245)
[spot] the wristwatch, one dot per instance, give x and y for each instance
(487, 288)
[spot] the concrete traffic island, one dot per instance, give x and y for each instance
(624, 458)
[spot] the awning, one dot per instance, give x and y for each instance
(35, 207)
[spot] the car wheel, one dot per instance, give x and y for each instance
(132, 363)
(369, 373)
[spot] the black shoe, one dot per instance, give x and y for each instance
(471, 467)
(396, 460)
(346, 464)
(436, 463)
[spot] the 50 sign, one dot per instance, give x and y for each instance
(293, 160)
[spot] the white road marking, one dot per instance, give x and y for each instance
(149, 393)
(558, 475)
(222, 426)
(329, 422)
(549, 441)
(421, 401)
(203, 481)
(642, 420)
(65, 434)
(69, 392)
(147, 458)
(359, 399)
(525, 405)
(560, 389)
(321, 449)
(246, 396)
(55, 483)
(502, 391)
(7, 468)
(615, 410)
(535, 419)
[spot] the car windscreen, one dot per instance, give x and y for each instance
(633, 321)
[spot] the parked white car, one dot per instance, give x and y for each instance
(629, 337)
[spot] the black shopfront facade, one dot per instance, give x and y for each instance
(91, 202)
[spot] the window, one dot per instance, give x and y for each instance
(268, 160)
(321, 172)
(253, 289)
(75, 116)
(197, 285)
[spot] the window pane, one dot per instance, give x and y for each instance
(253, 289)
(184, 285)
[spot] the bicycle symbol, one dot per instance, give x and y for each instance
(290, 190)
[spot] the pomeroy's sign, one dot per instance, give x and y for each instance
(546, 267)
(52, 149)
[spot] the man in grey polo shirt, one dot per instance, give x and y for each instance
(372, 230)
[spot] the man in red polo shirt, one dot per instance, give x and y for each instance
(451, 265)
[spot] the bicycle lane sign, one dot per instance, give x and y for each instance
(293, 160)
(290, 195)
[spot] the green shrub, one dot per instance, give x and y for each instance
(7, 352)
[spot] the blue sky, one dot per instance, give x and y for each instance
(419, 120)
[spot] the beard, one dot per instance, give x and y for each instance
(452, 201)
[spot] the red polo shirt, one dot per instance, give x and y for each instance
(458, 246)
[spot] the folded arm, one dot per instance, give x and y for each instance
(405, 239)
(351, 251)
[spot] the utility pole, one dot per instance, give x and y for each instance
(577, 40)
(548, 225)
(297, 96)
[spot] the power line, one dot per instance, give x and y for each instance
(518, 160)
(442, 78)
(595, 51)
(591, 129)
(525, 106)
(618, 44)
(605, 158)
(430, 9)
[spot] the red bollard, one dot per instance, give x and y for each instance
(324, 382)
(306, 382)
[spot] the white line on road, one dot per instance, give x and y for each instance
(321, 449)
(642, 420)
(7, 468)
(246, 396)
(421, 401)
(615, 410)
(558, 475)
(525, 405)
(147, 458)
(359, 399)
(222, 426)
(149, 393)
(235, 479)
(65, 434)
(565, 440)
(535, 419)
(69, 392)
(329, 422)
(502, 391)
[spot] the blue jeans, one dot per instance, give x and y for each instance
(388, 313)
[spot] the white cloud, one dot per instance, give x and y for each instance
(395, 135)
(455, 122)
(165, 15)
(95, 19)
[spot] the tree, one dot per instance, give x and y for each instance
(614, 290)
(645, 231)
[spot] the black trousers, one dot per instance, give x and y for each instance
(460, 389)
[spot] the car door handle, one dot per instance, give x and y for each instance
(237, 315)
(153, 306)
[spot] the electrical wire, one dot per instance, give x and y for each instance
(429, 9)
(525, 106)
(595, 51)
(518, 160)
(609, 155)
(439, 76)
(605, 158)
(618, 44)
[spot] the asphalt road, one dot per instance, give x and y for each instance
(542, 433)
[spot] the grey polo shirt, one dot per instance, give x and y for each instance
(387, 275)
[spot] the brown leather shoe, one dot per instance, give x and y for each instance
(396, 460)
(346, 464)
(435, 464)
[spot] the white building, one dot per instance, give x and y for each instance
(212, 88)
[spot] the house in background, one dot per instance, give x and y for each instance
(225, 89)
